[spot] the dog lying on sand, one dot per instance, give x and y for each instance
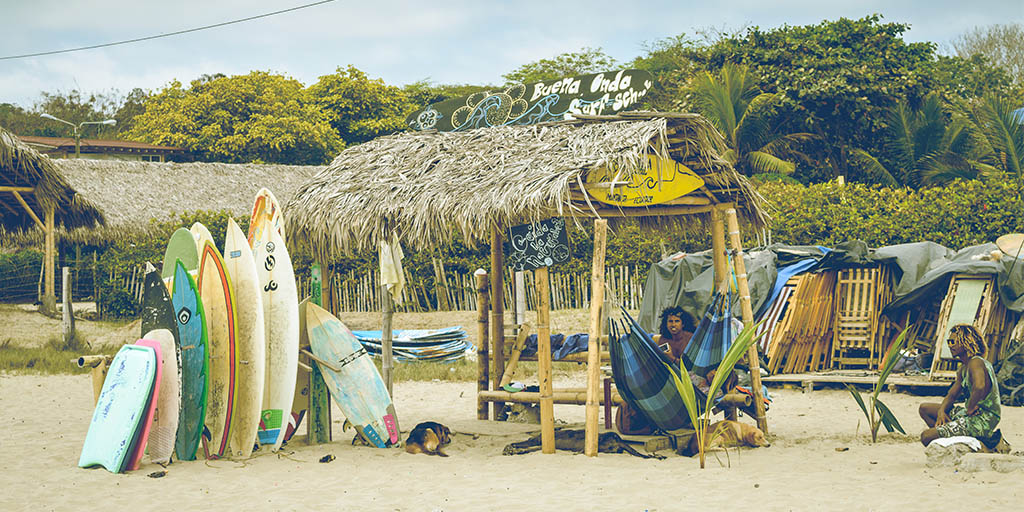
(573, 440)
(428, 437)
(728, 434)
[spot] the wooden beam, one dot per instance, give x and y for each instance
(482, 354)
(651, 211)
(497, 296)
(5, 188)
(547, 420)
(29, 210)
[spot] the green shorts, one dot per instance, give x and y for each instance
(960, 424)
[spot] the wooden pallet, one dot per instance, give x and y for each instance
(803, 339)
(971, 299)
(860, 330)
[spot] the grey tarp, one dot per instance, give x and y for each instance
(687, 280)
(926, 268)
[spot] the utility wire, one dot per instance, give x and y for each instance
(147, 38)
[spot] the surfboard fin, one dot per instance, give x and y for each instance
(345, 426)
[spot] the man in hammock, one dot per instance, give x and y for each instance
(980, 415)
(677, 329)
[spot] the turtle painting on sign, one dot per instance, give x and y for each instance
(540, 244)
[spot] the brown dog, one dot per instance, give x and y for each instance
(428, 437)
(728, 434)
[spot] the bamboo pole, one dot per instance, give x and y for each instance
(49, 304)
(547, 421)
(748, 315)
(497, 315)
(68, 318)
(99, 366)
(557, 397)
(718, 248)
(482, 358)
(387, 357)
(513, 360)
(594, 339)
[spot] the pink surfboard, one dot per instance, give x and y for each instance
(139, 446)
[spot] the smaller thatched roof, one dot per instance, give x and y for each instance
(131, 194)
(38, 182)
(424, 185)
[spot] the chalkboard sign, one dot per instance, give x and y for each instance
(542, 244)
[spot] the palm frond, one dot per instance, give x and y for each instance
(761, 162)
(872, 167)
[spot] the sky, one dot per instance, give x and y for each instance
(400, 41)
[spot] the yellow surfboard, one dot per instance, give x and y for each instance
(643, 189)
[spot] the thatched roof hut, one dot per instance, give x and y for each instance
(131, 194)
(32, 182)
(424, 185)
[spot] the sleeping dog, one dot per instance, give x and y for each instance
(729, 434)
(429, 438)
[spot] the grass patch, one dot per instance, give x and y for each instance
(41, 360)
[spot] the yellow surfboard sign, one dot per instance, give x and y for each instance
(643, 189)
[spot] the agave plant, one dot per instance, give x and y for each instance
(885, 416)
(701, 420)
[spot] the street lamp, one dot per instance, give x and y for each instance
(77, 127)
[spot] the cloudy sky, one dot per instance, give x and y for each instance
(401, 41)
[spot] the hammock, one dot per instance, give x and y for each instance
(645, 377)
(712, 338)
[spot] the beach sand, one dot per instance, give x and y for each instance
(802, 470)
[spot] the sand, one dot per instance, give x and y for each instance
(802, 470)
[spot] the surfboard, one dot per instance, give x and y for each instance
(1012, 244)
(120, 408)
(181, 246)
(191, 322)
(266, 211)
(138, 445)
(281, 313)
(201, 235)
(168, 401)
(355, 383)
(219, 305)
(300, 400)
(158, 314)
(643, 188)
(250, 341)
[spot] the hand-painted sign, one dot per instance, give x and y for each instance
(542, 244)
(663, 181)
(554, 100)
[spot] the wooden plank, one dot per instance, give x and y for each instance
(594, 336)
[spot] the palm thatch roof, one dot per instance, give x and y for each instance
(132, 194)
(422, 186)
(34, 179)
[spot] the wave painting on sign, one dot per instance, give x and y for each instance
(524, 104)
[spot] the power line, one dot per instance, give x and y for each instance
(147, 38)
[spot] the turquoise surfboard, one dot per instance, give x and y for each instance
(191, 320)
(121, 408)
(354, 381)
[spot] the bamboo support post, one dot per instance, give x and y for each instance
(748, 315)
(49, 305)
(482, 359)
(547, 421)
(718, 248)
(513, 360)
(497, 315)
(593, 343)
(387, 358)
(98, 368)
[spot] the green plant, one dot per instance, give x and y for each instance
(885, 416)
(701, 420)
(76, 343)
(118, 303)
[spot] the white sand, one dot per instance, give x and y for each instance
(800, 471)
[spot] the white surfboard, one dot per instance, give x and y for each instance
(281, 314)
(250, 341)
(165, 420)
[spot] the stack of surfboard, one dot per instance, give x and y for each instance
(447, 344)
(216, 365)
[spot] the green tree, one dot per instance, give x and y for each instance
(359, 108)
(733, 103)
(422, 93)
(669, 61)
(132, 106)
(1001, 132)
(587, 60)
(1003, 45)
(257, 117)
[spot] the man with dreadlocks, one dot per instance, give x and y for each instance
(976, 379)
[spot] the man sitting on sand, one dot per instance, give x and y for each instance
(975, 376)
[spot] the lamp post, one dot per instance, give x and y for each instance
(78, 127)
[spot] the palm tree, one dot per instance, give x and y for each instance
(1000, 132)
(926, 146)
(734, 104)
